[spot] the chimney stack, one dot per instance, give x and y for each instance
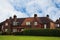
(35, 15)
(15, 17)
(10, 18)
(47, 16)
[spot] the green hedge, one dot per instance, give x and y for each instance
(42, 32)
(39, 32)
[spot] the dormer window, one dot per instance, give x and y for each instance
(27, 23)
(35, 23)
(6, 24)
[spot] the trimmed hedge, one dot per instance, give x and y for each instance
(42, 32)
(39, 32)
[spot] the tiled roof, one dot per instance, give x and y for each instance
(57, 21)
(20, 20)
(45, 20)
(40, 20)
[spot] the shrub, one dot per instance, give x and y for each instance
(42, 32)
(37, 32)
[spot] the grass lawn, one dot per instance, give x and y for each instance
(8, 37)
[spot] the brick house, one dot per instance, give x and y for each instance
(18, 24)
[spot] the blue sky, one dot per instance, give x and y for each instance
(27, 8)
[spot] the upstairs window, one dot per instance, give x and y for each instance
(35, 23)
(27, 23)
(6, 24)
(15, 23)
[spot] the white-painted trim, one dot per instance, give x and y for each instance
(27, 23)
(44, 26)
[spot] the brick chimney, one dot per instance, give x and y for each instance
(47, 16)
(15, 17)
(10, 18)
(35, 15)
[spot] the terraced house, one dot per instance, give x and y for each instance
(19, 24)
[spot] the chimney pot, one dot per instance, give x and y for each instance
(10, 18)
(47, 16)
(15, 16)
(35, 15)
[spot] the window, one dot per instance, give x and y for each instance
(2, 27)
(14, 30)
(22, 30)
(6, 30)
(15, 23)
(35, 23)
(44, 26)
(6, 24)
(27, 23)
(57, 25)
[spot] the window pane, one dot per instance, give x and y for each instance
(57, 25)
(6, 30)
(6, 24)
(22, 30)
(35, 23)
(15, 23)
(27, 23)
(44, 26)
(14, 30)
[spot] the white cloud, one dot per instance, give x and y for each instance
(40, 7)
(7, 10)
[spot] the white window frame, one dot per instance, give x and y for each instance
(6, 24)
(35, 23)
(2, 27)
(22, 30)
(6, 30)
(45, 26)
(27, 23)
(58, 25)
(14, 30)
(15, 23)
